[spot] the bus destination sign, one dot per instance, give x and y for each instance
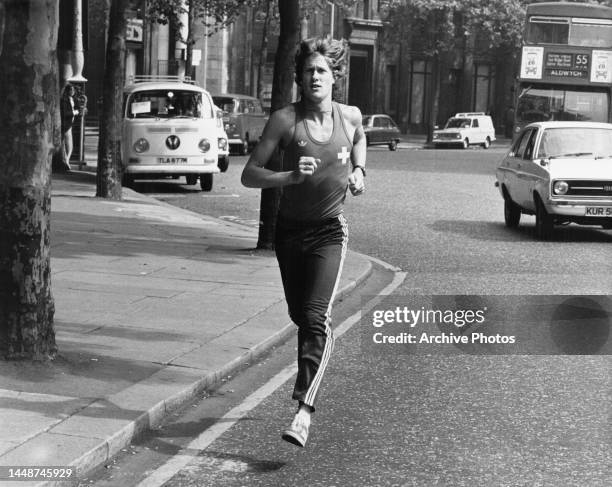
(567, 65)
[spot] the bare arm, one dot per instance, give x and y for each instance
(358, 153)
(254, 174)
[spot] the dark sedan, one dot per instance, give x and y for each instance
(380, 129)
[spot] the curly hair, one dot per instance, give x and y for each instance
(334, 51)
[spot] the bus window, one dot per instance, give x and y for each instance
(587, 32)
(548, 30)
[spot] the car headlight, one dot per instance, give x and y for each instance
(436, 136)
(222, 143)
(457, 136)
(141, 145)
(204, 145)
(560, 187)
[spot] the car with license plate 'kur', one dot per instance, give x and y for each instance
(561, 172)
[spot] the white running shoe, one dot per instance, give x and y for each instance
(297, 433)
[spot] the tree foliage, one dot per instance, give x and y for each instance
(214, 14)
(437, 25)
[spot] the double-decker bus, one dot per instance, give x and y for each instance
(566, 63)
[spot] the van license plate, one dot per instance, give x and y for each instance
(598, 211)
(172, 160)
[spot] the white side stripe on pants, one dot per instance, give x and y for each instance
(329, 342)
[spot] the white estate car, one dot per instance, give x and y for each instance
(561, 172)
(169, 129)
(466, 129)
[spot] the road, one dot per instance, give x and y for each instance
(437, 415)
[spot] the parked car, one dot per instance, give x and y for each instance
(465, 129)
(380, 129)
(561, 172)
(244, 120)
(169, 129)
(222, 142)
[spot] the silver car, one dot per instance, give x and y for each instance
(561, 172)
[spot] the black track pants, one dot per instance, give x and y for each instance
(310, 258)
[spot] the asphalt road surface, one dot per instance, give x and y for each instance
(389, 415)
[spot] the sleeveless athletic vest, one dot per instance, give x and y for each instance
(320, 196)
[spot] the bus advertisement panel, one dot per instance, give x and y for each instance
(566, 64)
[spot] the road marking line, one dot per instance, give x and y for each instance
(179, 461)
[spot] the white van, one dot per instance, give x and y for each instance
(465, 129)
(169, 129)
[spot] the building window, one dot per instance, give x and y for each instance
(484, 86)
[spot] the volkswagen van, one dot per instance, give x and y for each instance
(169, 130)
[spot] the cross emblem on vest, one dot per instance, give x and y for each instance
(344, 155)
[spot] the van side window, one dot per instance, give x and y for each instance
(475, 123)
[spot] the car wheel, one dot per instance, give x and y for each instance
(512, 213)
(206, 181)
(393, 145)
(223, 163)
(466, 143)
(544, 222)
(487, 143)
(191, 179)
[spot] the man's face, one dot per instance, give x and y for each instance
(317, 78)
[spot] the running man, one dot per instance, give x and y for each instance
(324, 153)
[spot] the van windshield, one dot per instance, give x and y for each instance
(168, 104)
(457, 123)
(225, 103)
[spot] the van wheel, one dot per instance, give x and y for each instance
(466, 143)
(206, 181)
(393, 145)
(487, 143)
(191, 179)
(223, 163)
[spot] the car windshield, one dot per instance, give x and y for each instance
(168, 104)
(457, 123)
(568, 142)
(365, 121)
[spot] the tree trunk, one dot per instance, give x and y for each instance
(111, 121)
(433, 101)
(263, 54)
(29, 119)
(190, 41)
(282, 87)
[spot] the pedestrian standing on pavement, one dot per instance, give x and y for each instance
(67, 113)
(324, 153)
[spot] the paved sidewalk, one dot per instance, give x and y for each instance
(152, 305)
